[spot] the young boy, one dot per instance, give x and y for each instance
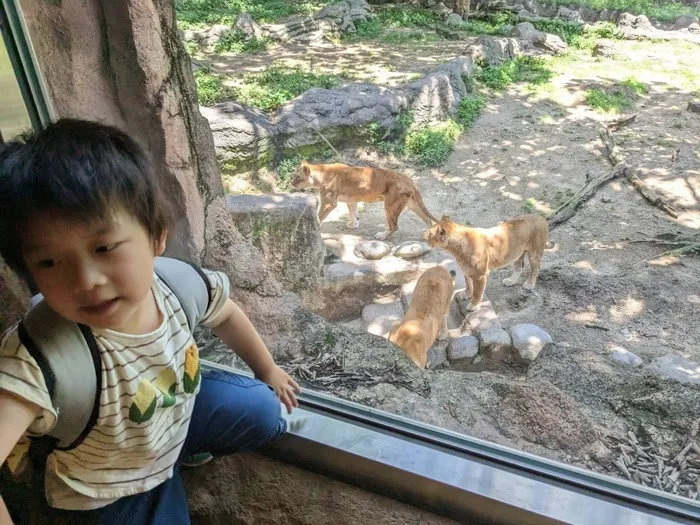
(82, 219)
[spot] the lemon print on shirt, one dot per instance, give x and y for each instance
(192, 373)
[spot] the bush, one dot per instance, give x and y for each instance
(469, 109)
(210, 90)
(235, 42)
(432, 145)
(272, 88)
(522, 69)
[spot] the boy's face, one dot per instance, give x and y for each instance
(96, 272)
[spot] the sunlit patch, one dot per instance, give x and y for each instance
(589, 316)
(626, 309)
(585, 265)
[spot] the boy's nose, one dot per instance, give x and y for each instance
(88, 276)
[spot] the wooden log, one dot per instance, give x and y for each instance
(649, 194)
(617, 124)
(568, 209)
(615, 157)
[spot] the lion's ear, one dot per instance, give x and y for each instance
(442, 233)
(445, 218)
(305, 169)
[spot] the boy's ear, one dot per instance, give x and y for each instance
(160, 243)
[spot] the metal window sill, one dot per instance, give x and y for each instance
(457, 476)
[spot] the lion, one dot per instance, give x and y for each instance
(426, 318)
(479, 251)
(353, 184)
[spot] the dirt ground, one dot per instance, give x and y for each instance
(530, 148)
(542, 143)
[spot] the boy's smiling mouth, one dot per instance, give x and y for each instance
(100, 308)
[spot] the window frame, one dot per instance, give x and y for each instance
(456, 475)
(23, 59)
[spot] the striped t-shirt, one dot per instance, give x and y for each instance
(149, 382)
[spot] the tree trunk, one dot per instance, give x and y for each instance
(462, 8)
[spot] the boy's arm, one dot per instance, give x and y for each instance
(15, 417)
(234, 328)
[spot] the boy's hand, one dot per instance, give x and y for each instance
(285, 387)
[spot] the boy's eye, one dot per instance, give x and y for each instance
(107, 248)
(46, 263)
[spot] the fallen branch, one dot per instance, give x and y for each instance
(615, 157)
(568, 209)
(679, 252)
(649, 194)
(617, 124)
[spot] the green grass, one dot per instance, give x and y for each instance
(432, 145)
(533, 70)
(530, 205)
(578, 36)
(615, 98)
(210, 90)
(275, 86)
(470, 108)
(406, 37)
(493, 25)
(235, 42)
(195, 14)
(407, 16)
(286, 169)
(364, 30)
(662, 10)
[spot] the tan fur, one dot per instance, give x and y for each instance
(426, 318)
(353, 184)
(478, 251)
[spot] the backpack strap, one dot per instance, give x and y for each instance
(62, 350)
(189, 284)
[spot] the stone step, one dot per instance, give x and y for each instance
(346, 287)
(378, 318)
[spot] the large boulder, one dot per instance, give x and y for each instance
(530, 36)
(243, 136)
(685, 21)
(246, 138)
(285, 228)
(494, 51)
(247, 26)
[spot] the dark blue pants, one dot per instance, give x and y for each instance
(232, 413)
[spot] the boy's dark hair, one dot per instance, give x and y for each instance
(79, 169)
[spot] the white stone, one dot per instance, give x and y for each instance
(625, 357)
(463, 349)
(371, 250)
(494, 340)
(378, 318)
(528, 340)
(453, 19)
(675, 367)
(411, 249)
